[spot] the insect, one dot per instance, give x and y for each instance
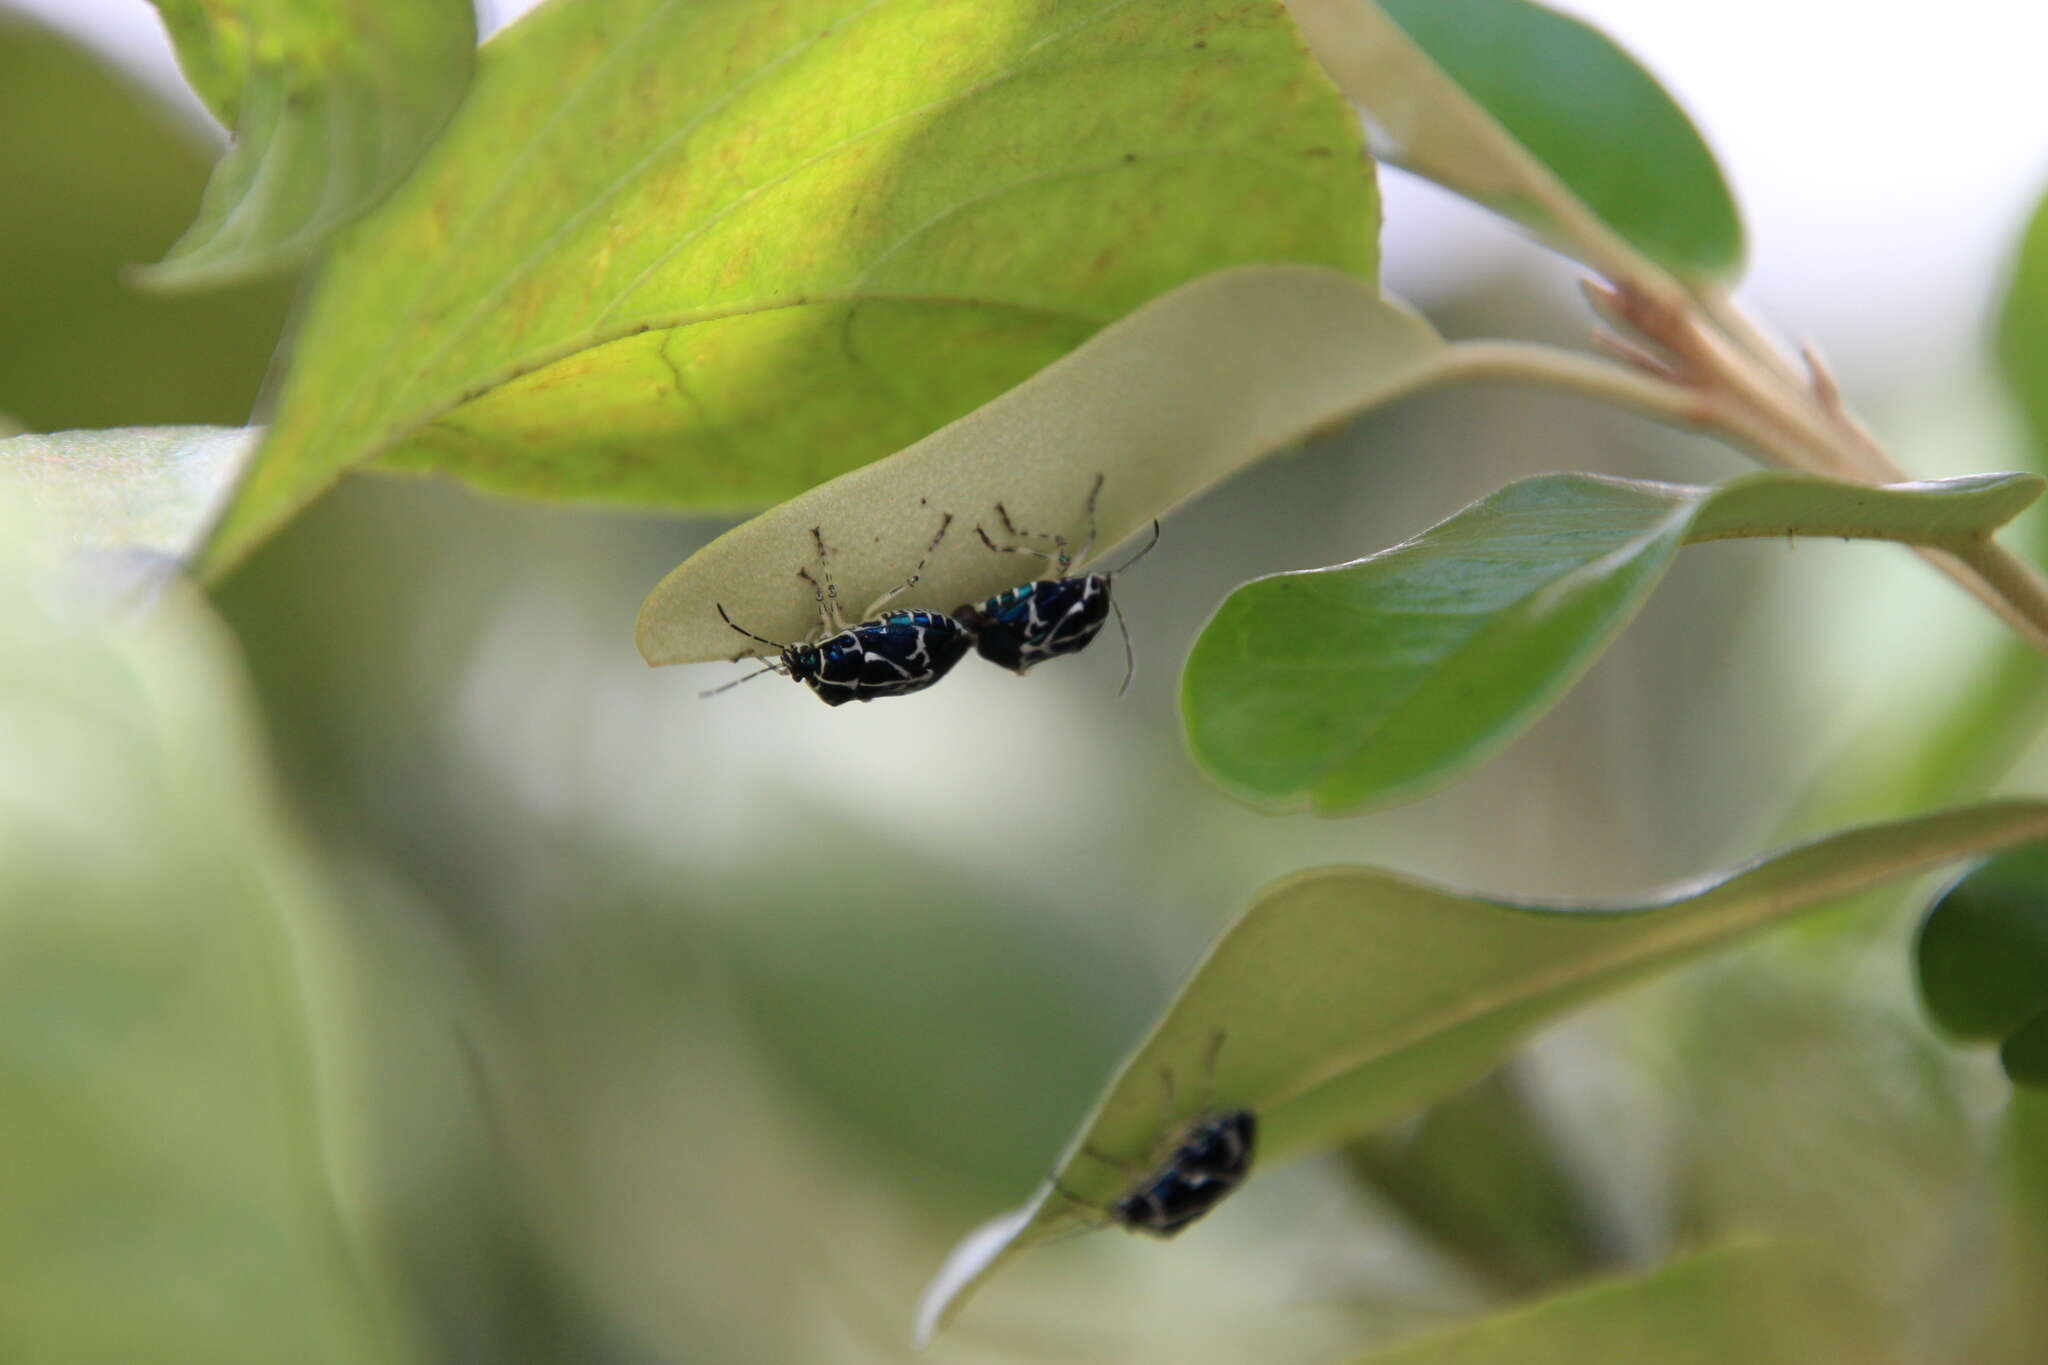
(1024, 626)
(888, 654)
(1209, 1155)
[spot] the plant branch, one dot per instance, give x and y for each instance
(1528, 362)
(1795, 417)
(1792, 418)
(2016, 589)
(1644, 388)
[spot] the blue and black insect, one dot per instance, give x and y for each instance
(1212, 1157)
(1208, 1156)
(888, 654)
(1024, 626)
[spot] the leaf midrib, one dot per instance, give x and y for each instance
(1689, 931)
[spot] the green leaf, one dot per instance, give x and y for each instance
(1983, 960)
(1484, 1177)
(1348, 997)
(2025, 1054)
(139, 488)
(165, 1038)
(1161, 405)
(1807, 1038)
(2023, 342)
(331, 102)
(99, 174)
(710, 256)
(1756, 1303)
(1377, 681)
(2018, 1334)
(2023, 326)
(1519, 108)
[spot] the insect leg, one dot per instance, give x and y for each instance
(1088, 545)
(915, 574)
(828, 595)
(1057, 556)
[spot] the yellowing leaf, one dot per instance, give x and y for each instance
(712, 255)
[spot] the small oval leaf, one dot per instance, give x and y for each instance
(1172, 399)
(1348, 997)
(2025, 1055)
(1377, 681)
(1982, 956)
(331, 103)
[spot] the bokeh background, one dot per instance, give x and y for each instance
(697, 1030)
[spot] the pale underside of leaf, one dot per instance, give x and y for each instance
(149, 489)
(1378, 681)
(1167, 402)
(1347, 998)
(711, 255)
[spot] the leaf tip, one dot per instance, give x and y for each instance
(966, 1266)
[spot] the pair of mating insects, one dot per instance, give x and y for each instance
(895, 653)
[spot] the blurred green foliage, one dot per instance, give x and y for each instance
(169, 1139)
(330, 102)
(101, 176)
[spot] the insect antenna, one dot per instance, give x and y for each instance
(771, 668)
(1150, 545)
(744, 631)
(1130, 657)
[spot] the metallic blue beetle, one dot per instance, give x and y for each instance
(1028, 624)
(890, 654)
(1211, 1159)
(893, 655)
(1024, 626)
(1207, 1157)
